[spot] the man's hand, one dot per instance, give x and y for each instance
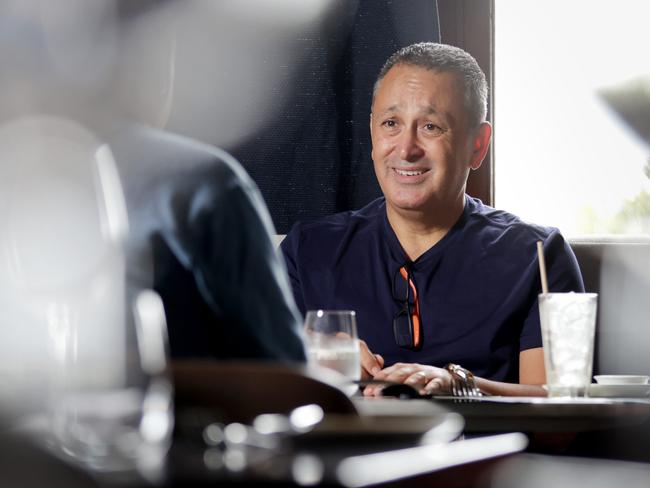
(425, 379)
(371, 364)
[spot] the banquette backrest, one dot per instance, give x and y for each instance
(618, 269)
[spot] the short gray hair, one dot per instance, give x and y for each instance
(445, 58)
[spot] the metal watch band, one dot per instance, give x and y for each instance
(461, 374)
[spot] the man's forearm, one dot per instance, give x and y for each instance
(509, 389)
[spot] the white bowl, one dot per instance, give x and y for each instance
(621, 379)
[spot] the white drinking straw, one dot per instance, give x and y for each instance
(542, 266)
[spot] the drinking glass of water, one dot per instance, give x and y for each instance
(331, 340)
(568, 323)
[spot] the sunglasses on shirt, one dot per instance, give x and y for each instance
(406, 322)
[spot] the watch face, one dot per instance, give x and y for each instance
(463, 374)
(463, 383)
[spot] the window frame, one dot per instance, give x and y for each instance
(469, 24)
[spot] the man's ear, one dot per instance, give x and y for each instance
(372, 149)
(480, 145)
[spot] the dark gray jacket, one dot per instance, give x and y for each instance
(201, 236)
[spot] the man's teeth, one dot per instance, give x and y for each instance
(408, 173)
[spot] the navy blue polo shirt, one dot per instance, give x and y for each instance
(477, 286)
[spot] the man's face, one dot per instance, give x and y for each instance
(422, 146)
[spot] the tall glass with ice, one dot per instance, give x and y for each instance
(331, 341)
(568, 323)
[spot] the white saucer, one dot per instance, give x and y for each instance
(621, 379)
(619, 391)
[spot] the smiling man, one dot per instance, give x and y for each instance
(437, 278)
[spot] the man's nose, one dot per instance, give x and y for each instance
(409, 146)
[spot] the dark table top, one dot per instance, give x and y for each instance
(414, 440)
(611, 428)
(523, 414)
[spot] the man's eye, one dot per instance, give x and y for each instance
(389, 123)
(431, 127)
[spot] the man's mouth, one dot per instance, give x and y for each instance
(404, 172)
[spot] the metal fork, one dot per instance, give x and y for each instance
(464, 389)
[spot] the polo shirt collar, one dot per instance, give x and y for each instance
(433, 254)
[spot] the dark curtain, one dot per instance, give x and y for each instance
(314, 158)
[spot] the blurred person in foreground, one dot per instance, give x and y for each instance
(443, 285)
(199, 231)
(201, 234)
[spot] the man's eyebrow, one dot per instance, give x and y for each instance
(430, 110)
(442, 115)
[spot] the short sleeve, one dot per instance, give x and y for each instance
(290, 249)
(563, 275)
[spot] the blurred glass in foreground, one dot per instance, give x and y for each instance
(79, 365)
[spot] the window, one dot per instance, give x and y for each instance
(563, 157)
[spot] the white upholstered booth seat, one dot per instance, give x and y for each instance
(618, 269)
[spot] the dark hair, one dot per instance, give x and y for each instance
(444, 58)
